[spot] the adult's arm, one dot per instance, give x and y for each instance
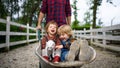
(68, 11)
(69, 20)
(41, 16)
(42, 13)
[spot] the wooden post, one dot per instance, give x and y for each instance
(91, 35)
(104, 41)
(8, 34)
(96, 40)
(78, 36)
(84, 33)
(27, 33)
(73, 33)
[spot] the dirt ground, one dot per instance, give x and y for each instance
(24, 57)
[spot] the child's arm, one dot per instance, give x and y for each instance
(43, 43)
(58, 46)
(67, 45)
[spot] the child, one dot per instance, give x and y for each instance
(51, 30)
(68, 52)
(72, 48)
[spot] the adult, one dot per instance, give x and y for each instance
(57, 10)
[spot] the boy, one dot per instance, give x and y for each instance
(72, 48)
(68, 52)
(51, 30)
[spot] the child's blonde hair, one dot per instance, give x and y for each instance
(65, 29)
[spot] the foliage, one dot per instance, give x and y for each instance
(87, 17)
(17, 38)
(3, 13)
(2, 27)
(10, 7)
(94, 7)
(76, 26)
(75, 9)
(29, 8)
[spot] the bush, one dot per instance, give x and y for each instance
(76, 26)
(14, 29)
(2, 27)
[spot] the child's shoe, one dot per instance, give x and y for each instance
(85, 51)
(46, 57)
(73, 52)
(56, 59)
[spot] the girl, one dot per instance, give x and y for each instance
(51, 30)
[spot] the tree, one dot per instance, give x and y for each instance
(12, 7)
(75, 23)
(75, 9)
(30, 10)
(3, 13)
(9, 7)
(96, 3)
(100, 22)
(94, 7)
(87, 17)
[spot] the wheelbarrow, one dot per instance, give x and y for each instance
(68, 64)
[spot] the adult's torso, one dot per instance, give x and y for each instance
(56, 11)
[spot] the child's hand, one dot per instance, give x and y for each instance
(58, 46)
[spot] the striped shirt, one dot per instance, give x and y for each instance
(46, 38)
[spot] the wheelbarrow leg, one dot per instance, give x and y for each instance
(39, 65)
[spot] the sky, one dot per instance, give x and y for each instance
(107, 12)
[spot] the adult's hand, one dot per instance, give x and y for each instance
(38, 27)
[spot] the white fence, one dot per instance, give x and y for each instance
(8, 33)
(99, 37)
(102, 37)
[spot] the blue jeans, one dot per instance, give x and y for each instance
(63, 55)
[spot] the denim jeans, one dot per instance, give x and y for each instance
(63, 55)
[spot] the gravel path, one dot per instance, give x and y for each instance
(24, 57)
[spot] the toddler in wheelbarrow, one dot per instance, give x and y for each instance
(59, 49)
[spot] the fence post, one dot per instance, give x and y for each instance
(27, 33)
(8, 33)
(84, 33)
(91, 38)
(104, 41)
(73, 33)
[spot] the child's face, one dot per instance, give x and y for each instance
(52, 29)
(64, 37)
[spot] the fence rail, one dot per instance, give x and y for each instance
(102, 37)
(9, 33)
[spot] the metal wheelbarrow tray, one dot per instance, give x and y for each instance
(68, 64)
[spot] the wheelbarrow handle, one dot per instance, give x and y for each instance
(39, 35)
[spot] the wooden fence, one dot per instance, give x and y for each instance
(103, 37)
(8, 33)
(100, 37)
